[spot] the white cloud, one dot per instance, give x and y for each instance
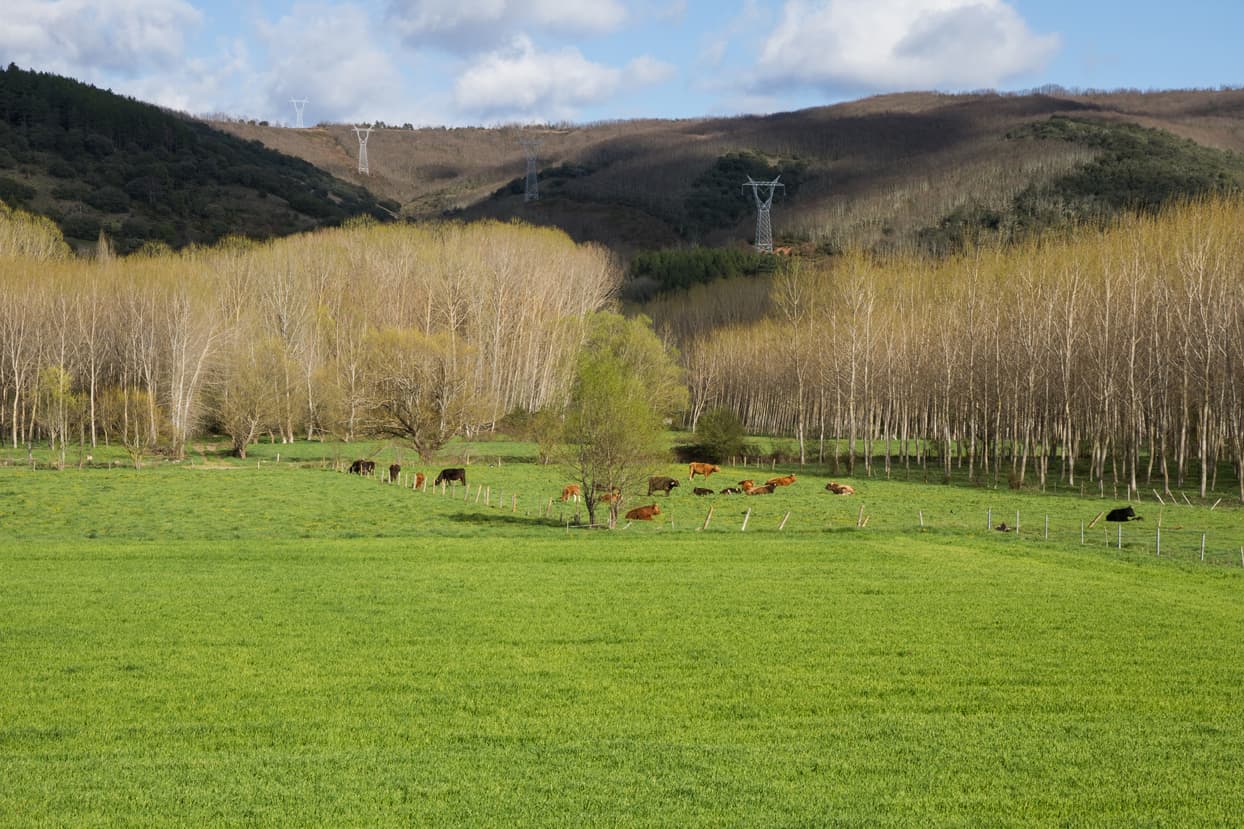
(523, 83)
(331, 55)
(856, 46)
(90, 38)
(471, 25)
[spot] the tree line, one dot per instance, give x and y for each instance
(1110, 356)
(414, 332)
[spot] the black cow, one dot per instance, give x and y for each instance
(362, 467)
(1123, 514)
(661, 483)
(450, 475)
(394, 471)
(699, 490)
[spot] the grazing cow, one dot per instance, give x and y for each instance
(394, 471)
(704, 469)
(731, 490)
(419, 479)
(699, 490)
(643, 513)
(840, 489)
(662, 483)
(571, 492)
(456, 473)
(746, 485)
(767, 489)
(1123, 514)
(785, 480)
(362, 467)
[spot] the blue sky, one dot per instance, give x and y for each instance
(463, 62)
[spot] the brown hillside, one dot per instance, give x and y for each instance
(878, 169)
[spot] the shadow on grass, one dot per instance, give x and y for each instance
(503, 519)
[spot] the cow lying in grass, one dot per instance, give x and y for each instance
(840, 489)
(643, 513)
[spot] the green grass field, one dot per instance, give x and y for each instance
(275, 643)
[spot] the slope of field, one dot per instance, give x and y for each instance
(277, 643)
(875, 172)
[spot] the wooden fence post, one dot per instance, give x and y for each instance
(743, 529)
(785, 517)
(707, 518)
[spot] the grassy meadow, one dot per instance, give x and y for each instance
(272, 642)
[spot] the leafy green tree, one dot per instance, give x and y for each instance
(720, 435)
(625, 383)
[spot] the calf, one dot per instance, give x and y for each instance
(767, 489)
(643, 513)
(699, 490)
(1123, 514)
(394, 471)
(450, 475)
(571, 492)
(840, 489)
(704, 469)
(746, 485)
(731, 490)
(661, 483)
(785, 480)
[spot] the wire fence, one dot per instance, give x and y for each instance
(1175, 540)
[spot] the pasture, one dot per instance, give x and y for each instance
(276, 643)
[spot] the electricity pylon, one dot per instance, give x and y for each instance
(363, 133)
(764, 226)
(532, 193)
(298, 103)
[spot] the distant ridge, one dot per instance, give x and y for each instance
(887, 172)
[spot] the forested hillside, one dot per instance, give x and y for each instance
(93, 161)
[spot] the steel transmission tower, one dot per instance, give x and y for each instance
(363, 133)
(298, 103)
(764, 227)
(532, 193)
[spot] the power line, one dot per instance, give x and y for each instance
(363, 133)
(764, 226)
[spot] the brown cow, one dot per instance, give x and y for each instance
(840, 489)
(746, 485)
(394, 471)
(571, 492)
(767, 489)
(609, 497)
(704, 469)
(699, 490)
(419, 479)
(643, 513)
(785, 480)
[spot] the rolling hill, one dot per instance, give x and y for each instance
(893, 171)
(94, 161)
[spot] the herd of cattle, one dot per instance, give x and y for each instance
(661, 483)
(449, 475)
